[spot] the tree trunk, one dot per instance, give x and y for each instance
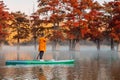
(18, 44)
(98, 44)
(35, 43)
(71, 44)
(55, 46)
(112, 44)
(1, 44)
(77, 46)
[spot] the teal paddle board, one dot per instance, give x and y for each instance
(25, 62)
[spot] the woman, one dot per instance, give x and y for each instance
(42, 46)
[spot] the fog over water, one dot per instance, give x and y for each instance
(90, 64)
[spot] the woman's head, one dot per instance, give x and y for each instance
(42, 34)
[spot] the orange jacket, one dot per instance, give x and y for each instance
(42, 44)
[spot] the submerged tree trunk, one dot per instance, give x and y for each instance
(55, 48)
(72, 44)
(73, 47)
(77, 46)
(18, 46)
(112, 44)
(35, 43)
(35, 47)
(54, 45)
(98, 44)
(1, 43)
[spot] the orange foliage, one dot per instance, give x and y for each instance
(116, 37)
(84, 31)
(53, 2)
(77, 21)
(115, 21)
(76, 24)
(77, 11)
(57, 35)
(70, 36)
(5, 17)
(65, 1)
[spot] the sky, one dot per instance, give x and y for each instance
(27, 6)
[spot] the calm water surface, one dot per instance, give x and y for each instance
(90, 64)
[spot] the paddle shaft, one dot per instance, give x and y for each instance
(38, 55)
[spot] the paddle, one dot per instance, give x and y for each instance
(37, 56)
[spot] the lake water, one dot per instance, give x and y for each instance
(90, 64)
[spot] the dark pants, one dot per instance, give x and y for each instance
(41, 54)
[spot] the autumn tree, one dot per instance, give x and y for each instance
(95, 23)
(81, 14)
(73, 23)
(113, 30)
(52, 12)
(5, 18)
(116, 22)
(37, 28)
(20, 27)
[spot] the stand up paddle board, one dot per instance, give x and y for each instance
(17, 62)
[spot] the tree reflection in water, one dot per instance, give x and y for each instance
(115, 71)
(41, 74)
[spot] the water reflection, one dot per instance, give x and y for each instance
(115, 71)
(41, 74)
